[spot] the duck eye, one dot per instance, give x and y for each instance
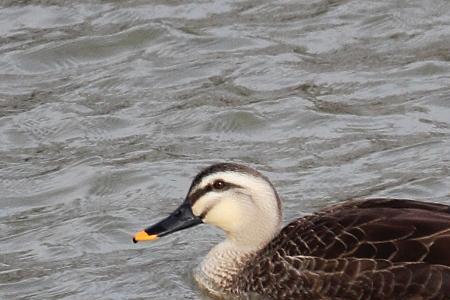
(218, 184)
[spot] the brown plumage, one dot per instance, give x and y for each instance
(370, 249)
(377, 249)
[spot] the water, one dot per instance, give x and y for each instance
(109, 108)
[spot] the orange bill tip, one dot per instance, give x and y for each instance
(144, 236)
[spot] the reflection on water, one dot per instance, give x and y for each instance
(107, 109)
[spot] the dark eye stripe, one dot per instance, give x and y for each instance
(219, 184)
(199, 193)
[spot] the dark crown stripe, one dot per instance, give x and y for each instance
(224, 167)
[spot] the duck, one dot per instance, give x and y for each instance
(367, 249)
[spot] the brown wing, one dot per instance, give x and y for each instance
(373, 249)
(391, 229)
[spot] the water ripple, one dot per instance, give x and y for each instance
(107, 110)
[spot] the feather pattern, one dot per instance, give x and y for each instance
(376, 249)
(361, 249)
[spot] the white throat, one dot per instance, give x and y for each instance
(221, 265)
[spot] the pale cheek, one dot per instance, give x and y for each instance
(197, 210)
(202, 205)
(225, 215)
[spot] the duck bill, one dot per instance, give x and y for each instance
(180, 219)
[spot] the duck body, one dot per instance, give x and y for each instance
(374, 249)
(364, 249)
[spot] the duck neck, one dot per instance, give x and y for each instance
(222, 265)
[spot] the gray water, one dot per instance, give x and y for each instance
(109, 108)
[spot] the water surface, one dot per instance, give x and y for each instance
(109, 108)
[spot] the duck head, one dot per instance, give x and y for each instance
(235, 198)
